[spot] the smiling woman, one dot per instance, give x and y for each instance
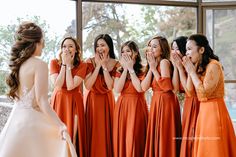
(100, 99)
(67, 74)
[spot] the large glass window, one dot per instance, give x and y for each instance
(134, 22)
(182, 0)
(57, 18)
(230, 99)
(218, 0)
(220, 28)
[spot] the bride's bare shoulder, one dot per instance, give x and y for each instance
(38, 62)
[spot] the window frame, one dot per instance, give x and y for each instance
(199, 5)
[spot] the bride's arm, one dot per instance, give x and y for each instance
(41, 94)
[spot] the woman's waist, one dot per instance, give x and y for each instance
(100, 92)
(158, 91)
(135, 94)
(25, 105)
(65, 90)
(219, 99)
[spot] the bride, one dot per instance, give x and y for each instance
(33, 128)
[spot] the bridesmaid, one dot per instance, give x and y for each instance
(191, 103)
(67, 74)
(100, 100)
(130, 115)
(164, 123)
(214, 136)
(178, 48)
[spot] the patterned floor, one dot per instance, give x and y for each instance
(4, 113)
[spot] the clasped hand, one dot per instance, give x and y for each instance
(188, 65)
(101, 59)
(127, 62)
(176, 59)
(152, 61)
(66, 58)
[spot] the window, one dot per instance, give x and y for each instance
(220, 28)
(134, 22)
(182, 0)
(218, 0)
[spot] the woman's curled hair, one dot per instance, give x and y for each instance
(27, 36)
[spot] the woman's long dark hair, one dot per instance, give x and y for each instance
(77, 57)
(181, 43)
(109, 42)
(134, 48)
(201, 41)
(27, 36)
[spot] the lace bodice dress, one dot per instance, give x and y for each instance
(214, 136)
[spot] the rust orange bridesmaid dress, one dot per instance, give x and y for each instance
(100, 104)
(164, 123)
(130, 122)
(69, 107)
(215, 136)
(189, 119)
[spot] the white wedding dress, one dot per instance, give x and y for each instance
(29, 133)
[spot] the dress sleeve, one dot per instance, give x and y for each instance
(90, 68)
(54, 66)
(165, 84)
(82, 70)
(210, 82)
(115, 69)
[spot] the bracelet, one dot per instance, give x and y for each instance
(68, 68)
(131, 72)
(63, 65)
(104, 69)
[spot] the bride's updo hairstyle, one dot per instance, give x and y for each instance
(27, 36)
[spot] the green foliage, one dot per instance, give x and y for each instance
(7, 39)
(115, 20)
(103, 18)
